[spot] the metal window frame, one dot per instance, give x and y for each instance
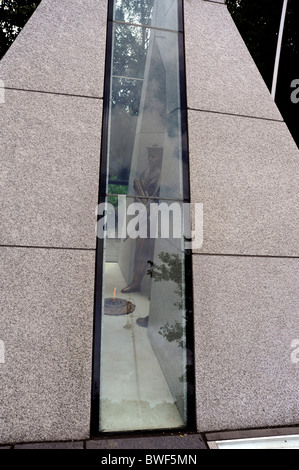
(103, 181)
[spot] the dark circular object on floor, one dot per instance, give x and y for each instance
(115, 306)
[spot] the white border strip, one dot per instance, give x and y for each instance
(272, 442)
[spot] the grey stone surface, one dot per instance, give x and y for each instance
(50, 155)
(46, 324)
(61, 49)
(51, 445)
(182, 441)
(246, 173)
(221, 74)
(246, 318)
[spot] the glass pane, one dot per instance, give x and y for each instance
(125, 102)
(143, 359)
(157, 13)
(144, 110)
(143, 345)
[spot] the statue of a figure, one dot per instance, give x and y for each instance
(146, 188)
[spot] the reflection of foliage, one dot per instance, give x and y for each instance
(173, 332)
(116, 189)
(113, 199)
(129, 50)
(129, 55)
(134, 11)
(13, 16)
(130, 46)
(171, 270)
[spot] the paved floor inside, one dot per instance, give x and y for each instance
(134, 393)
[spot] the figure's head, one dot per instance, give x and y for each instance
(155, 155)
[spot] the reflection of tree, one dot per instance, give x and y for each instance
(134, 11)
(173, 332)
(129, 50)
(13, 16)
(129, 55)
(130, 46)
(171, 270)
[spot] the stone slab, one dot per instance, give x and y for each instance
(246, 173)
(221, 74)
(246, 319)
(50, 155)
(179, 441)
(46, 324)
(50, 445)
(61, 49)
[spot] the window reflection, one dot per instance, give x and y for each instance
(133, 11)
(161, 14)
(143, 373)
(145, 108)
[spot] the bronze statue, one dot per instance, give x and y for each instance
(146, 188)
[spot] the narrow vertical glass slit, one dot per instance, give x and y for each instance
(143, 353)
